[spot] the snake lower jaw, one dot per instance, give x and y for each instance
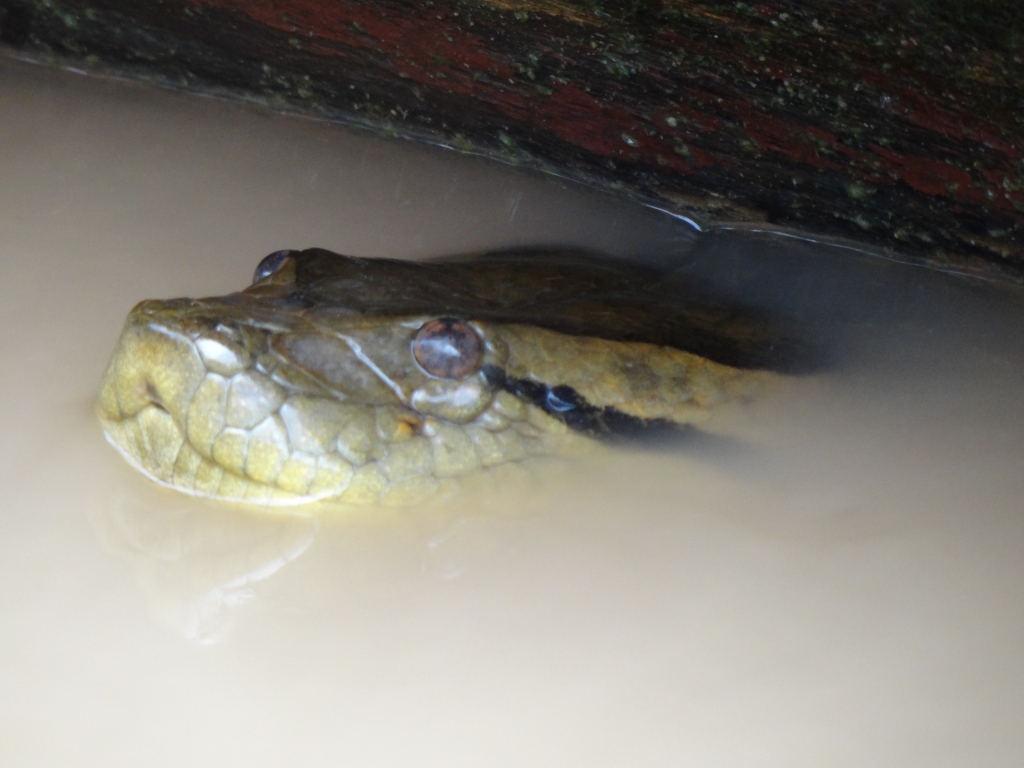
(155, 445)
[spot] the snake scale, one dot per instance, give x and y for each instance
(377, 380)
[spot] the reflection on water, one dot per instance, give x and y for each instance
(844, 590)
(197, 563)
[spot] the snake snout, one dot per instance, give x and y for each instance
(146, 391)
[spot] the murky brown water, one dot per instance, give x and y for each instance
(845, 591)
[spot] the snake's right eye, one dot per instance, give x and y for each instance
(271, 264)
(448, 348)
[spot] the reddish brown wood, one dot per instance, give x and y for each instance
(897, 123)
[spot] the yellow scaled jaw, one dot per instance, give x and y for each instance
(206, 408)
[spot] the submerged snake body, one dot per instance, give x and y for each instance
(367, 380)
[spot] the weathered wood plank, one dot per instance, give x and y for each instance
(897, 123)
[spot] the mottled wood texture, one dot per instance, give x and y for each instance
(898, 123)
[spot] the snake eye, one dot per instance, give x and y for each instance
(447, 348)
(271, 264)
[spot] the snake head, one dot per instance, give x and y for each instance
(253, 397)
(371, 380)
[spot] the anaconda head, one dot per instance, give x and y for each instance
(377, 380)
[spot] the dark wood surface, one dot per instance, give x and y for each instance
(896, 123)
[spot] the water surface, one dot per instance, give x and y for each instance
(844, 591)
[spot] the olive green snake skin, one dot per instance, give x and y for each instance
(374, 380)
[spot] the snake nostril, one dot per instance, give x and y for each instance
(154, 397)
